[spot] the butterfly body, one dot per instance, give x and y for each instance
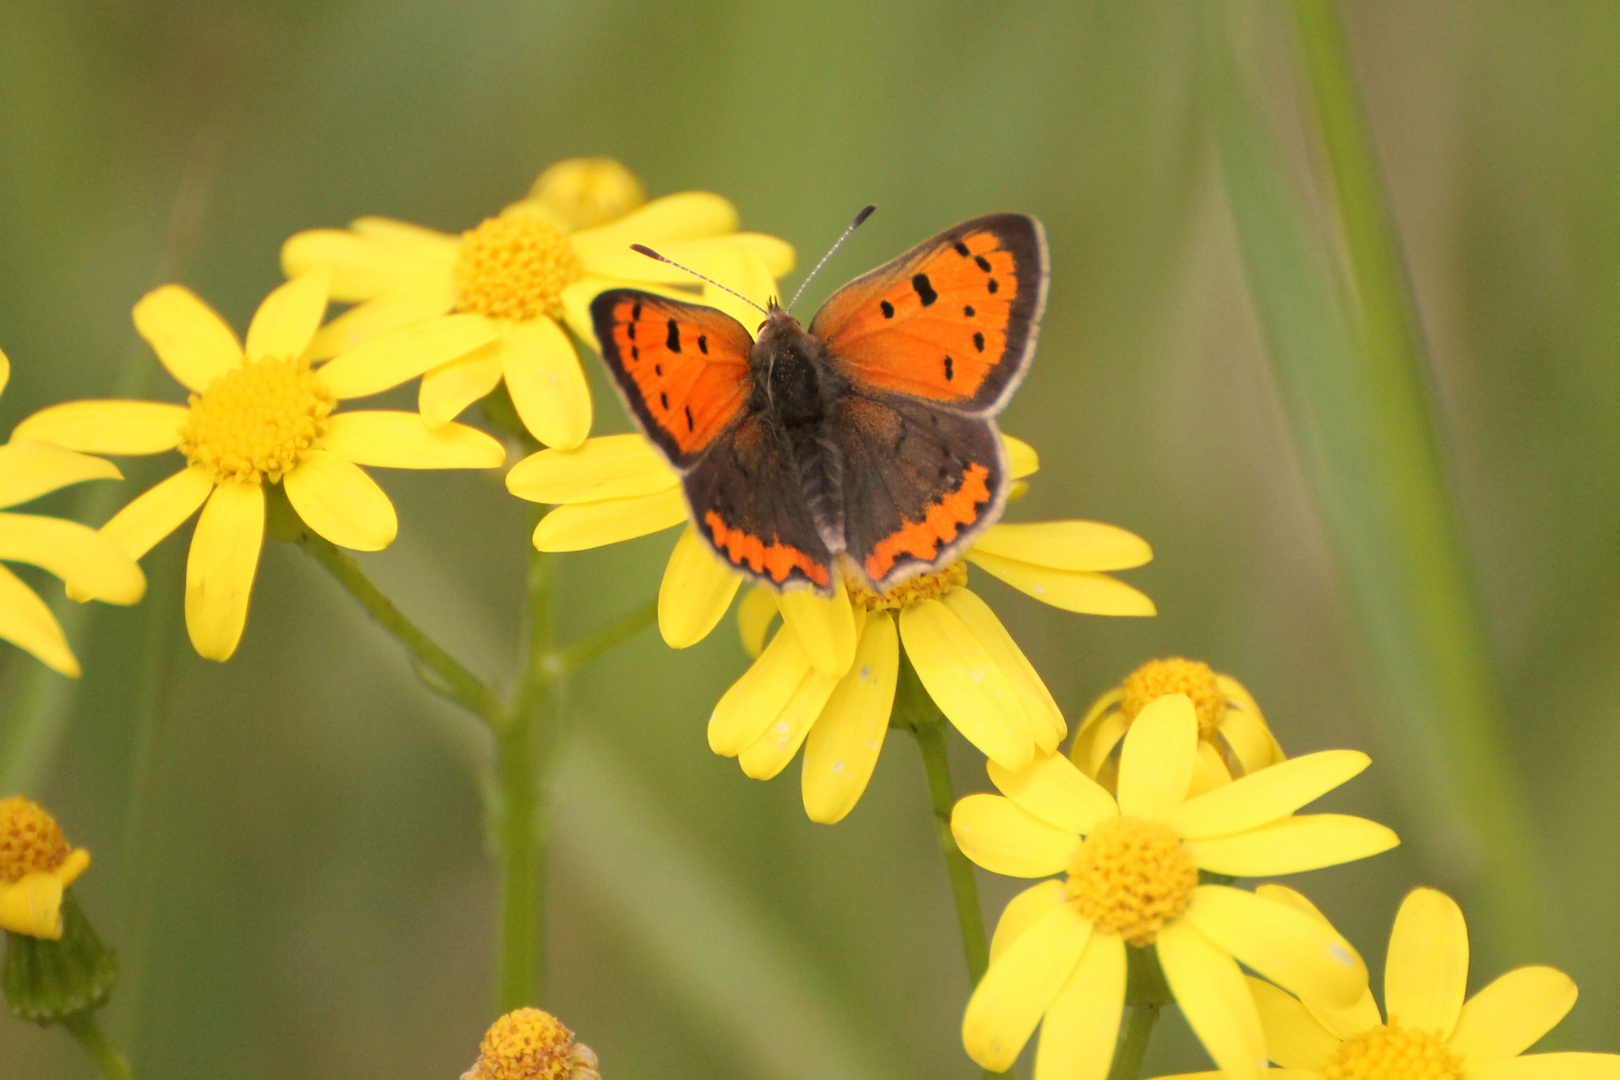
(867, 440)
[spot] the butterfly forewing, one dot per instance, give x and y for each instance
(951, 321)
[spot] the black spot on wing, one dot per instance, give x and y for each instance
(948, 372)
(663, 399)
(674, 339)
(984, 263)
(969, 312)
(962, 249)
(978, 341)
(992, 285)
(690, 426)
(925, 289)
(635, 316)
(703, 344)
(630, 328)
(888, 309)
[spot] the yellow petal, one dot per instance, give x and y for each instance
(1214, 999)
(399, 440)
(1566, 1066)
(1004, 839)
(824, 626)
(606, 467)
(1345, 1022)
(1267, 795)
(286, 322)
(689, 215)
(1251, 741)
(1209, 771)
(33, 906)
(91, 565)
(189, 337)
(744, 711)
(745, 273)
(546, 382)
(620, 262)
(386, 313)
(337, 499)
(1045, 720)
(404, 234)
(159, 511)
(26, 622)
(450, 388)
(1294, 1038)
(1104, 738)
(1510, 1015)
(1070, 590)
(1013, 995)
(1292, 845)
(1052, 789)
(404, 353)
(1077, 1036)
(967, 684)
(31, 469)
(1022, 911)
(106, 427)
(379, 257)
(1022, 460)
(1155, 766)
(843, 747)
(588, 525)
(1426, 971)
(1303, 955)
(220, 568)
(695, 593)
(770, 753)
(5, 371)
(1066, 545)
(755, 615)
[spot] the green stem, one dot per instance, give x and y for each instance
(1133, 1042)
(82, 1026)
(587, 650)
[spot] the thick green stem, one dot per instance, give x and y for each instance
(82, 1026)
(1133, 1042)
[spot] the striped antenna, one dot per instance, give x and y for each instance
(642, 249)
(860, 217)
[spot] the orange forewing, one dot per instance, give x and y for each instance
(683, 369)
(951, 321)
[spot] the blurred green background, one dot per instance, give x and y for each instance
(288, 848)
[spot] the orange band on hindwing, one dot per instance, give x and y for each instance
(774, 560)
(939, 527)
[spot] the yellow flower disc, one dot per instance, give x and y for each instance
(30, 840)
(1196, 679)
(526, 1045)
(1388, 1052)
(1132, 876)
(515, 267)
(911, 591)
(259, 420)
(588, 191)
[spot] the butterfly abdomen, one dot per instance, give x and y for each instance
(796, 390)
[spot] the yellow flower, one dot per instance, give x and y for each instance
(91, 565)
(1432, 1033)
(529, 1044)
(263, 414)
(529, 271)
(36, 865)
(1233, 739)
(1131, 869)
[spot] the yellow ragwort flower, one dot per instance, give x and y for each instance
(1432, 1033)
(263, 414)
(529, 1044)
(36, 865)
(529, 271)
(1233, 739)
(1131, 866)
(91, 565)
(828, 683)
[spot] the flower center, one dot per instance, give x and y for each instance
(1196, 679)
(258, 420)
(1388, 1052)
(526, 1045)
(911, 591)
(1132, 876)
(30, 840)
(515, 267)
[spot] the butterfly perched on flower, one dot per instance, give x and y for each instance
(870, 435)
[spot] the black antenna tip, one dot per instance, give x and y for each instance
(643, 249)
(863, 215)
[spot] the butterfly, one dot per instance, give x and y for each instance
(867, 440)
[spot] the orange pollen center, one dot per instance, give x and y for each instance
(911, 591)
(1389, 1052)
(527, 1044)
(1196, 679)
(30, 840)
(515, 267)
(1132, 876)
(258, 420)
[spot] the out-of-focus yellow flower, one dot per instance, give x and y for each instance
(1431, 1032)
(1233, 739)
(91, 565)
(529, 272)
(257, 415)
(36, 865)
(1131, 864)
(529, 1044)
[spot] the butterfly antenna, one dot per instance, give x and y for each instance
(860, 217)
(642, 249)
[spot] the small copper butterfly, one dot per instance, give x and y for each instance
(870, 435)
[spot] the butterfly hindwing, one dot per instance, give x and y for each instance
(920, 482)
(681, 368)
(951, 321)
